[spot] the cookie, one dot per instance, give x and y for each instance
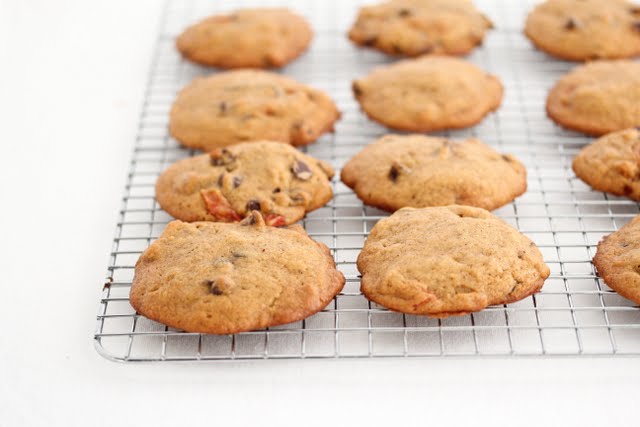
(245, 105)
(428, 93)
(397, 171)
(581, 30)
(612, 164)
(448, 261)
(597, 98)
(417, 27)
(246, 38)
(618, 260)
(225, 185)
(222, 278)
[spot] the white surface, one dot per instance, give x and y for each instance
(71, 83)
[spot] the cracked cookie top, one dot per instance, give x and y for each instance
(226, 278)
(247, 105)
(612, 164)
(428, 93)
(399, 171)
(226, 184)
(246, 38)
(445, 261)
(417, 27)
(582, 30)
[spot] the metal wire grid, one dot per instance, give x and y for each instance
(574, 314)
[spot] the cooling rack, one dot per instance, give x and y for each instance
(574, 314)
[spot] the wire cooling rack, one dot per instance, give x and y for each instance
(574, 314)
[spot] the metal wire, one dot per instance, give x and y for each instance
(574, 314)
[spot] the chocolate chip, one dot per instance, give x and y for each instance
(301, 170)
(223, 107)
(215, 290)
(357, 90)
(636, 25)
(572, 24)
(253, 205)
(370, 41)
(635, 10)
(394, 172)
(237, 180)
(506, 158)
(276, 190)
(396, 49)
(627, 189)
(404, 13)
(221, 179)
(221, 157)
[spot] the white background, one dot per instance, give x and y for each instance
(71, 82)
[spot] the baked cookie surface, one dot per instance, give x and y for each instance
(618, 260)
(416, 27)
(226, 278)
(399, 171)
(225, 185)
(245, 105)
(612, 164)
(580, 30)
(428, 93)
(246, 38)
(446, 261)
(597, 98)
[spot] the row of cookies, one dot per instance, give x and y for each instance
(600, 98)
(576, 30)
(430, 93)
(230, 268)
(612, 164)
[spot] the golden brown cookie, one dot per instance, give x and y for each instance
(416, 27)
(618, 260)
(225, 185)
(246, 105)
(428, 94)
(612, 164)
(397, 171)
(225, 278)
(597, 98)
(581, 30)
(448, 261)
(246, 38)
